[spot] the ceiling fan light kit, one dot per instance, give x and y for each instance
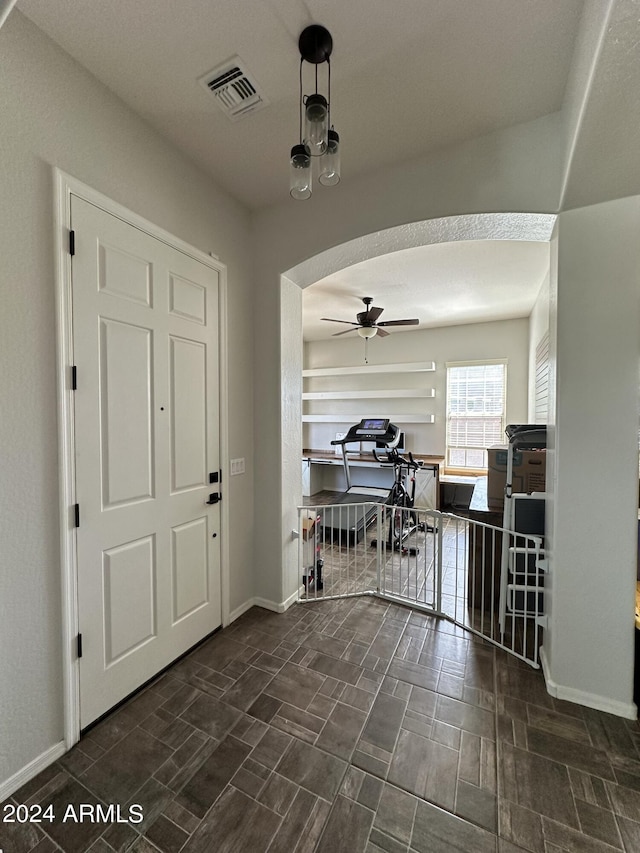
(367, 325)
(318, 139)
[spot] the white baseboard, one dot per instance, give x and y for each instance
(237, 613)
(590, 700)
(27, 773)
(262, 602)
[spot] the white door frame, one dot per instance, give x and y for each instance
(66, 186)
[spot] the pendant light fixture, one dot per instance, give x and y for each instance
(318, 139)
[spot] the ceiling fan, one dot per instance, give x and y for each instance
(367, 325)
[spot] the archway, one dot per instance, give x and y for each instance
(488, 226)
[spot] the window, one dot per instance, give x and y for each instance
(542, 381)
(475, 412)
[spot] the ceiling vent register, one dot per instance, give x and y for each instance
(235, 92)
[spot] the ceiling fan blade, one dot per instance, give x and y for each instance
(346, 332)
(381, 332)
(370, 315)
(332, 320)
(413, 322)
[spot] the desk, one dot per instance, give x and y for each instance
(323, 469)
(485, 552)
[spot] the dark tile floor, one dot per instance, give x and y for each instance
(344, 725)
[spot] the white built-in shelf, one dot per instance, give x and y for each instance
(368, 395)
(354, 417)
(407, 367)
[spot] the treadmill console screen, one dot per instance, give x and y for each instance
(373, 426)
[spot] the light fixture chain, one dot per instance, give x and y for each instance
(300, 106)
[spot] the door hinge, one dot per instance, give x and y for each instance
(74, 378)
(72, 242)
(76, 515)
(79, 645)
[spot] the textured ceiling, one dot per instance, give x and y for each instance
(408, 76)
(444, 284)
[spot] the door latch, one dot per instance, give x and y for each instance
(214, 498)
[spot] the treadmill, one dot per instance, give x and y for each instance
(346, 521)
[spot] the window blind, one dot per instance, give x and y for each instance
(542, 381)
(475, 412)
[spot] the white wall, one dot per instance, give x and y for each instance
(54, 113)
(514, 170)
(506, 339)
(596, 312)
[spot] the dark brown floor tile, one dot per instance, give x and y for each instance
(237, 823)
(295, 685)
(218, 652)
(569, 752)
(370, 764)
(271, 748)
(436, 831)
(591, 789)
(247, 688)
(467, 717)
(395, 813)
(206, 785)
(278, 794)
(347, 828)
(477, 805)
(186, 760)
(571, 840)
(413, 673)
(264, 708)
(73, 830)
(210, 715)
(342, 670)
(313, 769)
(166, 835)
(540, 785)
(520, 826)
(630, 833)
(341, 731)
(610, 734)
(180, 816)
(370, 792)
(18, 838)
(425, 768)
(379, 842)
(329, 645)
(470, 751)
(126, 766)
(598, 823)
(301, 827)
(247, 782)
(249, 730)
(624, 801)
(561, 725)
(383, 723)
(524, 684)
(356, 697)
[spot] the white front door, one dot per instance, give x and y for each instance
(145, 339)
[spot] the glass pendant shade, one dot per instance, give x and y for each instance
(367, 332)
(329, 174)
(316, 124)
(300, 173)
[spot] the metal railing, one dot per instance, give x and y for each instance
(486, 579)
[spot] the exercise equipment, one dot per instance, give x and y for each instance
(402, 517)
(347, 520)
